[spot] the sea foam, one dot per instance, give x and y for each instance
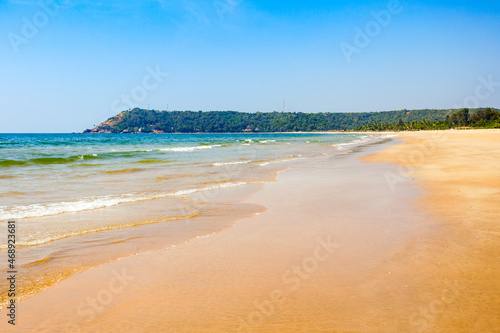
(91, 203)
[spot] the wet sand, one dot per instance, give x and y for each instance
(343, 246)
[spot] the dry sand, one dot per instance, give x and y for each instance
(344, 246)
(458, 273)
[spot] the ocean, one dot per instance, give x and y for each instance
(82, 200)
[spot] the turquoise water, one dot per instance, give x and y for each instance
(85, 199)
(49, 170)
(44, 175)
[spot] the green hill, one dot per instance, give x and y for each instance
(146, 121)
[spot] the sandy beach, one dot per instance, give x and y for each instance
(398, 236)
(457, 273)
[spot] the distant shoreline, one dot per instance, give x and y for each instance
(152, 121)
(256, 133)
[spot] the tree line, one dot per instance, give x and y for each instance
(464, 118)
(146, 121)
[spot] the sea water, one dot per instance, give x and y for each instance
(81, 200)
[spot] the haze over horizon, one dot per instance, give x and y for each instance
(70, 64)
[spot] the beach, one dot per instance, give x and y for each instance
(458, 272)
(395, 235)
(82, 200)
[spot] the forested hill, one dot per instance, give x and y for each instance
(147, 121)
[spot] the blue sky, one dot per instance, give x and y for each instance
(69, 68)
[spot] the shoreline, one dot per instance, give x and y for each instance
(313, 260)
(306, 226)
(312, 132)
(45, 266)
(55, 246)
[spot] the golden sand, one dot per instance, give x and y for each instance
(344, 246)
(459, 272)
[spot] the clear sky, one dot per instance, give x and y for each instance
(70, 64)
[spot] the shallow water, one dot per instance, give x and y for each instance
(81, 200)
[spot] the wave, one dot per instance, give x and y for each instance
(89, 231)
(188, 149)
(151, 161)
(54, 278)
(289, 159)
(209, 188)
(364, 139)
(8, 163)
(47, 160)
(33, 263)
(84, 165)
(175, 176)
(215, 181)
(11, 193)
(230, 163)
(123, 170)
(91, 203)
(85, 157)
(361, 140)
(52, 160)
